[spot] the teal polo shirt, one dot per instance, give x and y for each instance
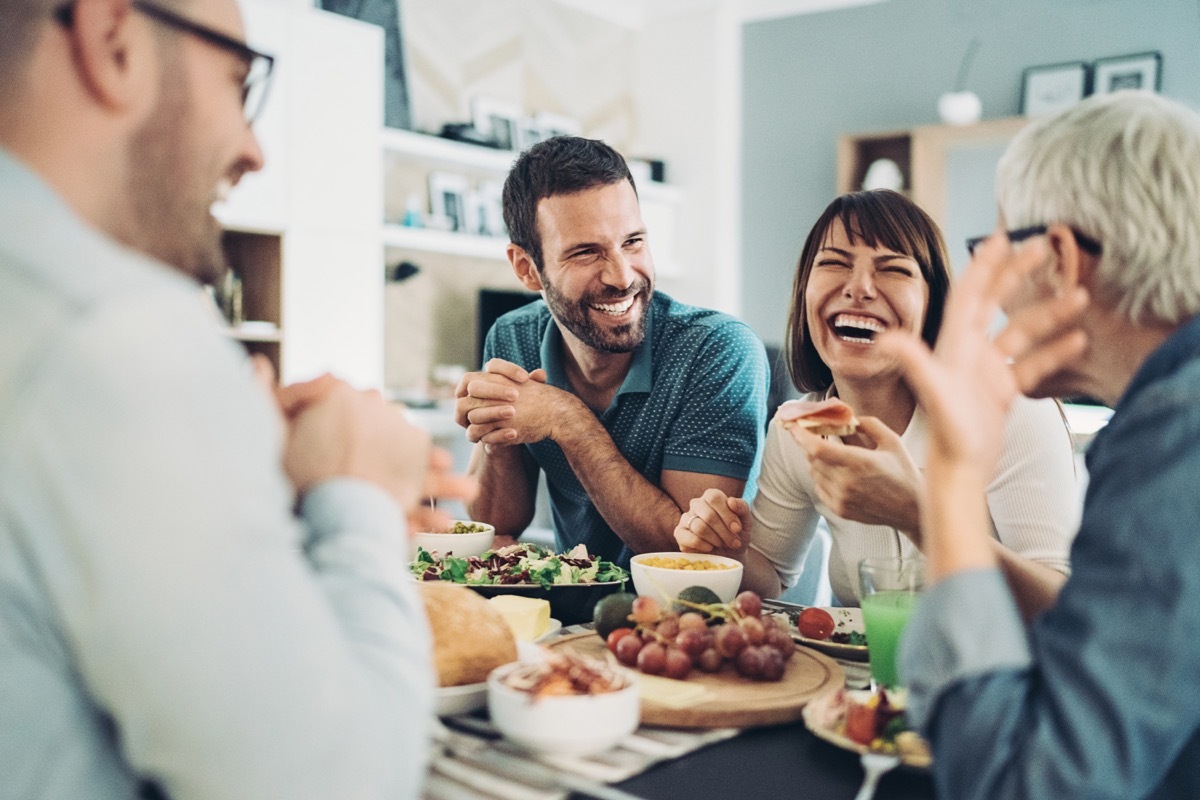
(695, 400)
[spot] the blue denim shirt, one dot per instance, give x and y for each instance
(1100, 698)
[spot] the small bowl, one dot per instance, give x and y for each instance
(664, 584)
(458, 544)
(577, 724)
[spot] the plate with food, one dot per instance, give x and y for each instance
(572, 582)
(864, 721)
(470, 639)
(836, 632)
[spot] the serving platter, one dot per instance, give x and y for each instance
(724, 699)
(820, 717)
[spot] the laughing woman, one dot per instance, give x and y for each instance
(872, 262)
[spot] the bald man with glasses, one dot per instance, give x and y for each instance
(203, 588)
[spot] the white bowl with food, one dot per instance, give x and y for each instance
(565, 704)
(464, 538)
(664, 575)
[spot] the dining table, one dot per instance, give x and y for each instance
(473, 761)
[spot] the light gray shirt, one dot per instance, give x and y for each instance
(163, 615)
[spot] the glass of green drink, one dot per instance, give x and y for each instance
(889, 593)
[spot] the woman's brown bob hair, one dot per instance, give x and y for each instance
(880, 218)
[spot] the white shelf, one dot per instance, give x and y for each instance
(254, 334)
(447, 242)
(434, 148)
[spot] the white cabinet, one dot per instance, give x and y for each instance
(319, 194)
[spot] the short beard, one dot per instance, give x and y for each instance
(575, 317)
(169, 203)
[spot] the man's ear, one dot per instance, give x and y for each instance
(1071, 265)
(113, 54)
(523, 266)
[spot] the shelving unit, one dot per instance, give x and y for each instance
(398, 237)
(256, 258)
(426, 147)
(921, 153)
(409, 158)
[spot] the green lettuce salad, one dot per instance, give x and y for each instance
(519, 564)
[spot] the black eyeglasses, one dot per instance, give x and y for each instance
(1085, 242)
(258, 65)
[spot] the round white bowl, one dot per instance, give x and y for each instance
(665, 584)
(458, 544)
(562, 724)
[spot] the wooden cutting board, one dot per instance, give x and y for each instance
(729, 700)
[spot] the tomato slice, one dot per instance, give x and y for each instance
(862, 723)
(815, 623)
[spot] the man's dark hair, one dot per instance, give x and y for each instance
(562, 165)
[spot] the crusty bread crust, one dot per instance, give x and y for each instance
(470, 638)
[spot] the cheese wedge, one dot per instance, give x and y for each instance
(528, 617)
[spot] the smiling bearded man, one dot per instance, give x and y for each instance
(630, 402)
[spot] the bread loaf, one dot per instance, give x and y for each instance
(470, 638)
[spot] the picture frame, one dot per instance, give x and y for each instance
(448, 199)
(1137, 71)
(496, 120)
(491, 208)
(1053, 87)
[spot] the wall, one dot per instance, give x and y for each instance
(687, 80)
(882, 67)
(535, 54)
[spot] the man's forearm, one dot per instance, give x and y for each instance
(507, 494)
(639, 512)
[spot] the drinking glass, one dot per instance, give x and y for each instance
(889, 593)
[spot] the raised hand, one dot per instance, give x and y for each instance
(714, 521)
(968, 383)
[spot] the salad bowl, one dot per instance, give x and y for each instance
(571, 582)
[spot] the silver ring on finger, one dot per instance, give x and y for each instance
(691, 519)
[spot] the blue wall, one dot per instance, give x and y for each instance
(811, 78)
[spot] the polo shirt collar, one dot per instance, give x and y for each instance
(640, 377)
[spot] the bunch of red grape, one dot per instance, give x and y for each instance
(664, 642)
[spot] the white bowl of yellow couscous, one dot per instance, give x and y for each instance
(664, 575)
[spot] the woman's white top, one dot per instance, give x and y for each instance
(1033, 499)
